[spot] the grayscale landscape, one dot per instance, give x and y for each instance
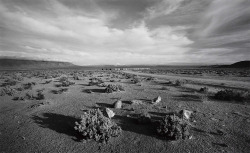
(118, 76)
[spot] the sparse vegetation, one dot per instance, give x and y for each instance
(94, 125)
(179, 83)
(7, 90)
(172, 127)
(204, 90)
(114, 88)
(230, 95)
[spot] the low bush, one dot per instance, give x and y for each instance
(179, 83)
(9, 82)
(136, 80)
(204, 90)
(232, 95)
(40, 96)
(172, 127)
(95, 81)
(114, 88)
(94, 125)
(28, 85)
(67, 83)
(7, 90)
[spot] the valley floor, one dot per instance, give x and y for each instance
(48, 125)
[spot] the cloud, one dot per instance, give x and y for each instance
(224, 16)
(223, 32)
(87, 39)
(164, 7)
(117, 31)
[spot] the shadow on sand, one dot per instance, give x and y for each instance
(94, 90)
(130, 124)
(59, 123)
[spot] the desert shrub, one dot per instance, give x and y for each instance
(47, 81)
(40, 96)
(179, 83)
(150, 79)
(7, 90)
(114, 88)
(204, 90)
(63, 78)
(136, 80)
(164, 88)
(29, 96)
(76, 77)
(232, 95)
(67, 83)
(94, 125)
(172, 127)
(95, 81)
(9, 82)
(28, 85)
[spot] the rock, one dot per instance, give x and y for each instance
(214, 119)
(118, 104)
(136, 102)
(185, 114)
(109, 113)
(220, 132)
(156, 100)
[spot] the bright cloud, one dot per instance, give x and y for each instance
(85, 33)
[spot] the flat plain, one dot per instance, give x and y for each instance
(38, 109)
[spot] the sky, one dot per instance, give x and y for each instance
(126, 32)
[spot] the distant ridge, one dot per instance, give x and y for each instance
(241, 64)
(26, 64)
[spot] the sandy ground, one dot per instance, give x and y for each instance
(48, 125)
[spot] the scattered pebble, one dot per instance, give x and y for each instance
(214, 119)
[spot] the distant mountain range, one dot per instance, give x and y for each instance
(25, 64)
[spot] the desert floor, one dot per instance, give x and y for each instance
(48, 125)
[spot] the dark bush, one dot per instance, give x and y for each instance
(94, 125)
(179, 83)
(232, 95)
(114, 88)
(204, 90)
(172, 127)
(40, 96)
(7, 91)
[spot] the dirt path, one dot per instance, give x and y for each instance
(205, 81)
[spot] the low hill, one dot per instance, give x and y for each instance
(24, 64)
(241, 64)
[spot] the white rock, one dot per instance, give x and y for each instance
(186, 113)
(118, 104)
(109, 113)
(156, 100)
